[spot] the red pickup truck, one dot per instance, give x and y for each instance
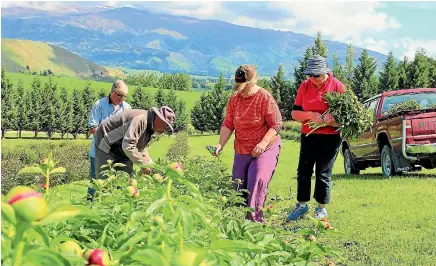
(398, 141)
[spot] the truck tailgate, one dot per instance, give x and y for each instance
(424, 127)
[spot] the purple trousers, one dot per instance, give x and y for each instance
(255, 174)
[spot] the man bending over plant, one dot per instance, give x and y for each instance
(123, 138)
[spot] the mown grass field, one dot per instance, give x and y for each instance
(383, 221)
(190, 97)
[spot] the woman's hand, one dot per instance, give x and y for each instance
(316, 118)
(218, 149)
(259, 148)
(145, 171)
(330, 120)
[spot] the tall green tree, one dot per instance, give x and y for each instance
(216, 103)
(160, 97)
(21, 107)
(364, 83)
(182, 116)
(349, 67)
(9, 110)
(88, 99)
(338, 70)
(35, 118)
(142, 99)
(419, 70)
(182, 82)
(65, 123)
(389, 75)
(432, 72)
(265, 83)
(319, 48)
(102, 93)
(281, 90)
(199, 117)
(80, 124)
(403, 66)
(166, 81)
(49, 107)
(299, 76)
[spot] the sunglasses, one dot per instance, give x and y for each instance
(120, 96)
(314, 76)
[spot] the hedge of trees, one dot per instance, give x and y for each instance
(47, 107)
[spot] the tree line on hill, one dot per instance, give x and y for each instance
(44, 107)
(47, 107)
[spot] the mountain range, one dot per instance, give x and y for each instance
(138, 39)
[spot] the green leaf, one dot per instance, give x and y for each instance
(267, 238)
(31, 170)
(192, 188)
(59, 216)
(42, 234)
(38, 257)
(58, 170)
(103, 236)
(155, 205)
(235, 245)
(8, 213)
(149, 257)
(133, 240)
(119, 165)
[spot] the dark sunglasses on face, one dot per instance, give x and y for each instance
(314, 76)
(120, 96)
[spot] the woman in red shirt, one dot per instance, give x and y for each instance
(255, 117)
(321, 147)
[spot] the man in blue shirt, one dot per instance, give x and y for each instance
(102, 109)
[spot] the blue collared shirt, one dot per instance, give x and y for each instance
(101, 110)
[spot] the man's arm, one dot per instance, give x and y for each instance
(94, 118)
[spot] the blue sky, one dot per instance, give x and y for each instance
(401, 27)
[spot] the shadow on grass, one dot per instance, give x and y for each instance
(372, 176)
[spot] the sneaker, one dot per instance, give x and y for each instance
(298, 212)
(320, 213)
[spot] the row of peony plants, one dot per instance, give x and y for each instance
(176, 216)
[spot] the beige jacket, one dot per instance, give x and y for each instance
(130, 130)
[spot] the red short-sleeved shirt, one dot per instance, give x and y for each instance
(251, 117)
(310, 99)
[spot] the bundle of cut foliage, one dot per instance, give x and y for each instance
(349, 113)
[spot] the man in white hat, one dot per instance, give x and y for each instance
(123, 138)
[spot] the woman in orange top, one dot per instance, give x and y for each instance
(255, 117)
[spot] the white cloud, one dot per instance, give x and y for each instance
(410, 46)
(203, 10)
(245, 21)
(380, 46)
(38, 5)
(342, 21)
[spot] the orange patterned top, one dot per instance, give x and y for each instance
(251, 117)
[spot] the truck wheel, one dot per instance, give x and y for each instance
(387, 162)
(349, 164)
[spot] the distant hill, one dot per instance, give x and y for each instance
(33, 56)
(138, 39)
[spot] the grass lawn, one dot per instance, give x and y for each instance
(383, 221)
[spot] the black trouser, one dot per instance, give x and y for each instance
(322, 150)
